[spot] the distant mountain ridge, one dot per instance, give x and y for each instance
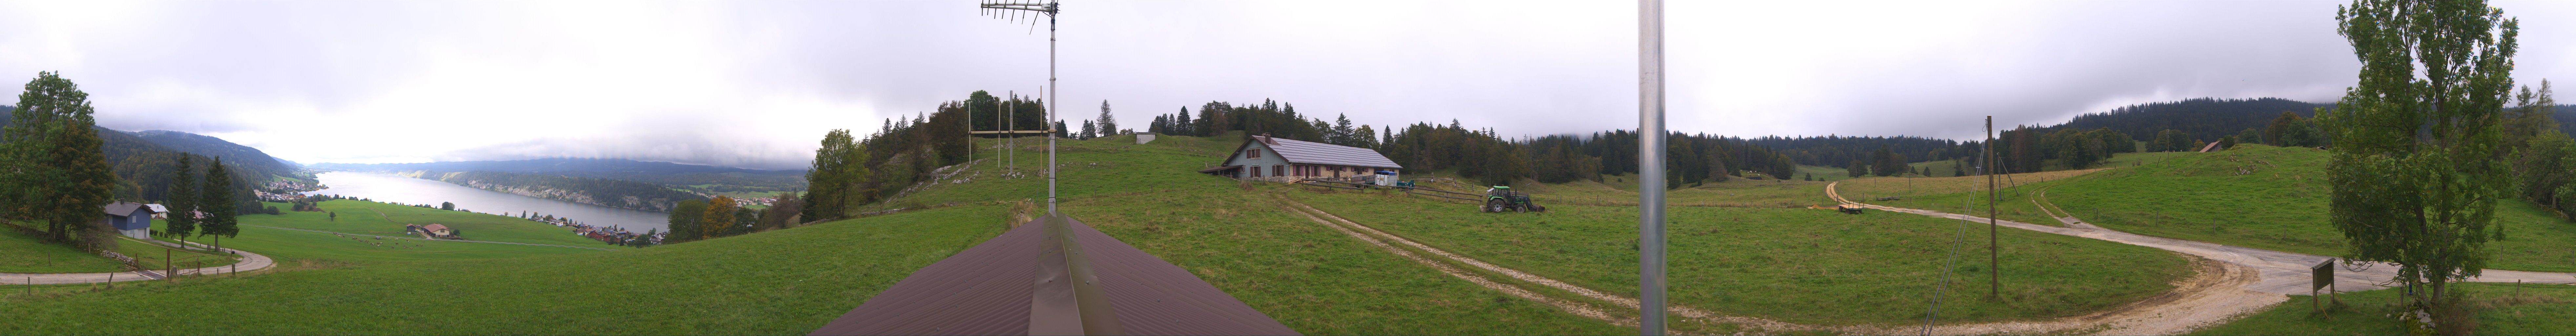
(2203, 118)
(2210, 118)
(199, 144)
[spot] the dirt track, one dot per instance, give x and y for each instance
(2274, 274)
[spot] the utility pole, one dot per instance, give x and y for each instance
(1650, 167)
(1994, 246)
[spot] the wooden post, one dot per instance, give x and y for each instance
(1994, 245)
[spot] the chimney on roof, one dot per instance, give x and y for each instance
(1265, 139)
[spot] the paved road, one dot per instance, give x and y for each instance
(249, 262)
(2282, 272)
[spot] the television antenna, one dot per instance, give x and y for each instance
(1024, 10)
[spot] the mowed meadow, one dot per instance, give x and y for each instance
(2274, 198)
(1796, 265)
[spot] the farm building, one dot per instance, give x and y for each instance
(1285, 160)
(433, 230)
(159, 211)
(130, 219)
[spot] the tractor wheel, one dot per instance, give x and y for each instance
(1493, 206)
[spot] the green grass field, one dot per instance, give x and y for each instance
(2272, 198)
(1822, 173)
(738, 285)
(2501, 309)
(1797, 265)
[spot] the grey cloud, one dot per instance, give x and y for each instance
(755, 83)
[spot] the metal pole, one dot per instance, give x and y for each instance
(1650, 167)
(1051, 92)
(1994, 256)
(1010, 122)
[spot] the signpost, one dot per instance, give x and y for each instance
(2322, 277)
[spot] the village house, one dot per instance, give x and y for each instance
(130, 219)
(159, 211)
(433, 230)
(1267, 158)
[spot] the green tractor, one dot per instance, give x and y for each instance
(1501, 198)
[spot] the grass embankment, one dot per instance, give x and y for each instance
(2500, 309)
(1796, 265)
(30, 254)
(2273, 198)
(791, 281)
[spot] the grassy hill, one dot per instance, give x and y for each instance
(2272, 198)
(791, 281)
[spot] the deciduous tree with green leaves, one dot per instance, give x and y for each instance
(56, 172)
(2417, 165)
(684, 221)
(832, 185)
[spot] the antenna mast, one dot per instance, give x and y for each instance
(1014, 10)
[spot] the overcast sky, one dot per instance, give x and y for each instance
(755, 84)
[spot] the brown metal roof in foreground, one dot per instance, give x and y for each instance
(1034, 281)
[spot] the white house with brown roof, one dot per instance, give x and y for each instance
(1285, 160)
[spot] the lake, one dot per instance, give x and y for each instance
(404, 190)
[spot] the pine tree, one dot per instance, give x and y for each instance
(216, 200)
(1089, 130)
(1108, 124)
(183, 200)
(1342, 133)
